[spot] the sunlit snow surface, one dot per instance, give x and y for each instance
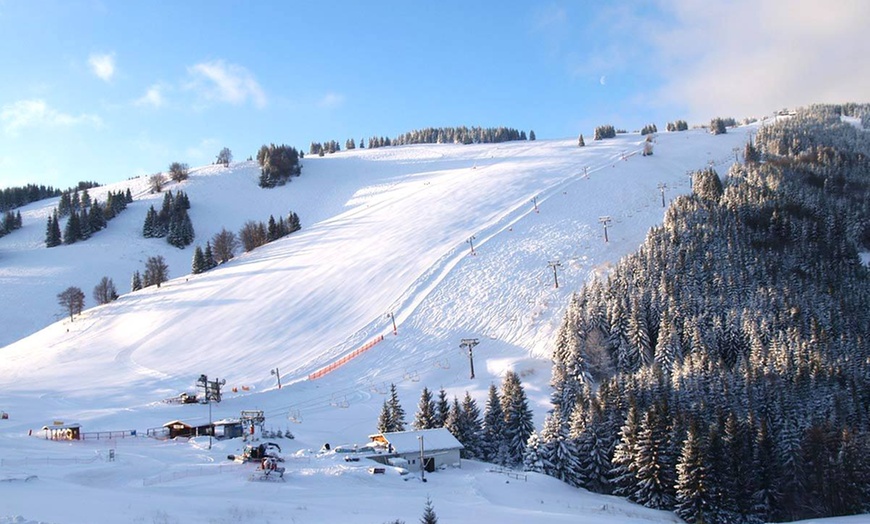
(384, 231)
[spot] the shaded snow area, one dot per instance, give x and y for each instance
(384, 231)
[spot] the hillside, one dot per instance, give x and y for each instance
(384, 231)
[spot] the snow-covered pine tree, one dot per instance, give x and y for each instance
(655, 465)
(493, 447)
(624, 471)
(517, 417)
(472, 427)
(558, 452)
(532, 459)
(693, 495)
(425, 416)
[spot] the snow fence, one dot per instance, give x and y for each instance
(345, 359)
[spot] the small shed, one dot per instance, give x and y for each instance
(62, 432)
(228, 428)
(438, 447)
(178, 428)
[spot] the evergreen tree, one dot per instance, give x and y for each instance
(472, 428)
(136, 283)
(208, 257)
(517, 417)
(385, 420)
(442, 409)
(532, 459)
(580, 141)
(429, 516)
(655, 479)
(425, 417)
(695, 501)
(531, 135)
(52, 234)
(72, 232)
(198, 265)
(397, 414)
(493, 446)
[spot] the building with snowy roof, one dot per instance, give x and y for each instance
(435, 447)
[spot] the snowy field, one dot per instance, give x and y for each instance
(384, 231)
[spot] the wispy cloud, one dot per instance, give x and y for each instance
(223, 82)
(744, 57)
(37, 114)
(102, 65)
(206, 150)
(331, 100)
(153, 97)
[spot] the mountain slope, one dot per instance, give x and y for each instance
(384, 231)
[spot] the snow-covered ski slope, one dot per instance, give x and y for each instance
(384, 231)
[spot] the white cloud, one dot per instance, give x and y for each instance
(153, 97)
(220, 81)
(744, 57)
(36, 113)
(102, 65)
(331, 100)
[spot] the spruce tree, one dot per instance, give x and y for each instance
(695, 500)
(385, 420)
(425, 416)
(655, 482)
(208, 256)
(198, 264)
(429, 516)
(72, 232)
(472, 427)
(532, 459)
(397, 414)
(493, 447)
(517, 417)
(136, 283)
(442, 409)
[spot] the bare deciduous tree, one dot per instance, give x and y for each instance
(156, 271)
(178, 171)
(224, 245)
(72, 299)
(253, 235)
(105, 291)
(225, 157)
(156, 182)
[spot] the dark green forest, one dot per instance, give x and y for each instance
(723, 370)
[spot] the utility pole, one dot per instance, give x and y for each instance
(206, 387)
(470, 343)
(605, 220)
(535, 202)
(277, 373)
(393, 318)
(662, 187)
(555, 264)
(471, 243)
(422, 462)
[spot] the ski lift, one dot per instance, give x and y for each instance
(295, 416)
(442, 365)
(413, 376)
(381, 390)
(343, 403)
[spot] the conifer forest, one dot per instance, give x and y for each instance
(723, 370)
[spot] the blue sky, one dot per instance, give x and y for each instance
(104, 90)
